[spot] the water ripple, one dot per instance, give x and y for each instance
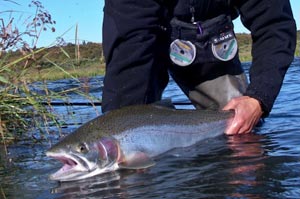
(264, 164)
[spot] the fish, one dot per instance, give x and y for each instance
(131, 137)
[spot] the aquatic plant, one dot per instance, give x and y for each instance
(19, 107)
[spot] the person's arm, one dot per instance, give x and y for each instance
(273, 32)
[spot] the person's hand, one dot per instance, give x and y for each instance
(247, 114)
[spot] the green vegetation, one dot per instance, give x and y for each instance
(297, 53)
(60, 62)
(245, 45)
(87, 60)
(21, 63)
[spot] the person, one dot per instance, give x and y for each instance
(194, 41)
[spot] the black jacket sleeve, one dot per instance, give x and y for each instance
(273, 32)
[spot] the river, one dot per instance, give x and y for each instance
(265, 164)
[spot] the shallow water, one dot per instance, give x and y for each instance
(260, 165)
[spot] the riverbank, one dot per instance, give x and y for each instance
(85, 60)
(95, 67)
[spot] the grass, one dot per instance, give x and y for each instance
(21, 107)
(58, 72)
(245, 46)
(61, 62)
(297, 53)
(2, 194)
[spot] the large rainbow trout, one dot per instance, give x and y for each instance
(130, 137)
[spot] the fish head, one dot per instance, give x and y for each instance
(84, 159)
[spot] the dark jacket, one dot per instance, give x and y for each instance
(136, 45)
(273, 32)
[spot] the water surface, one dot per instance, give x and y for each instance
(264, 164)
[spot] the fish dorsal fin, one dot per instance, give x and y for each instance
(165, 103)
(136, 160)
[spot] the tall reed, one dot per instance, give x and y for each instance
(20, 107)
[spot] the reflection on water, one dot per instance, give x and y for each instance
(105, 185)
(264, 164)
(248, 164)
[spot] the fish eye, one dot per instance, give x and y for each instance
(82, 148)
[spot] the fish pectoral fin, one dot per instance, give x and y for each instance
(136, 160)
(165, 103)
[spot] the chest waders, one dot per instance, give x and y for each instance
(205, 61)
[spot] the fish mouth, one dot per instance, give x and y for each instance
(76, 167)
